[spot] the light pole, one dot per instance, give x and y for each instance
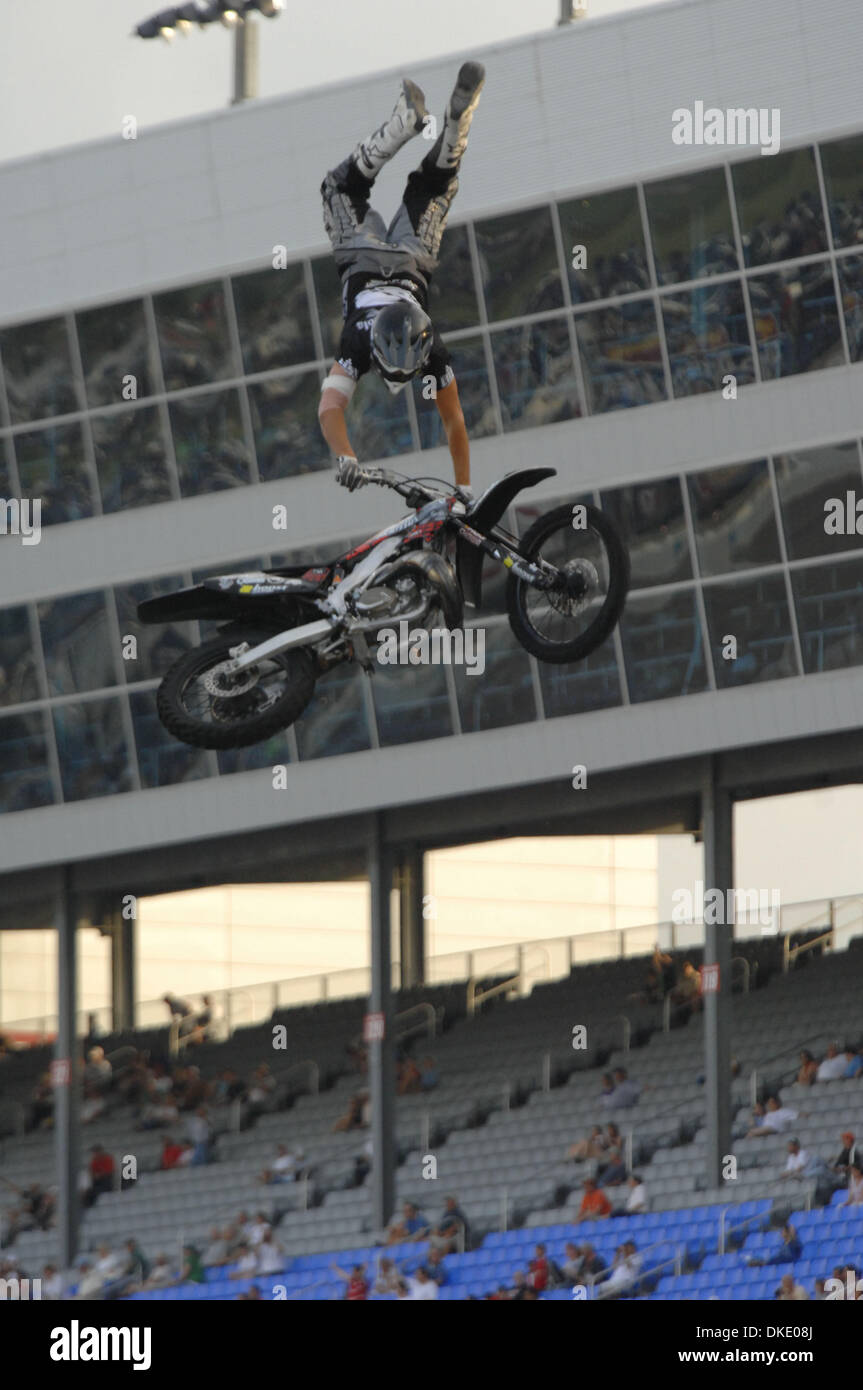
(232, 14)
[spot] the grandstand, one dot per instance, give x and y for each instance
(511, 1097)
(705, 262)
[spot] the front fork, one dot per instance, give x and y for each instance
(541, 575)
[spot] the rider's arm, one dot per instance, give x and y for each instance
(331, 415)
(456, 434)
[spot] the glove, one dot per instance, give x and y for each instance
(349, 474)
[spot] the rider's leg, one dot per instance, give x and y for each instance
(419, 223)
(345, 190)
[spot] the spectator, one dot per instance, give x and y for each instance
(408, 1078)
(262, 1085)
(833, 1065)
(90, 1281)
(801, 1164)
(353, 1116)
(174, 1153)
(216, 1252)
(285, 1166)
(429, 1076)
(229, 1088)
(607, 1089)
(519, 1287)
(771, 1119)
(271, 1256)
(855, 1186)
(101, 1172)
(199, 1134)
(624, 1272)
(854, 1063)
(179, 1009)
(636, 1202)
(138, 1266)
(52, 1284)
(412, 1226)
(161, 1276)
(790, 1249)
(847, 1155)
(419, 1288)
(687, 992)
(255, 1232)
(808, 1069)
(624, 1093)
(247, 1264)
(434, 1267)
(98, 1071)
(387, 1276)
(594, 1146)
(41, 1103)
(789, 1292)
(595, 1206)
(664, 967)
(193, 1266)
(538, 1270)
(453, 1221)
(356, 1283)
(252, 1295)
(613, 1172)
(572, 1265)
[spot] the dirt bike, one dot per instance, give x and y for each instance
(283, 628)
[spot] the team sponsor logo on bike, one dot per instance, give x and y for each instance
(437, 646)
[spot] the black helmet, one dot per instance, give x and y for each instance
(401, 340)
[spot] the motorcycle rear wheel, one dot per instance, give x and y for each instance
(265, 699)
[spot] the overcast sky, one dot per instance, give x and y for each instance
(70, 70)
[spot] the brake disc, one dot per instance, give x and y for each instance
(582, 579)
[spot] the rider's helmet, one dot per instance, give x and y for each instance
(401, 340)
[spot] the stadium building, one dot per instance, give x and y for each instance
(673, 323)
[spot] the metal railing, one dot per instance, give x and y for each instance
(840, 918)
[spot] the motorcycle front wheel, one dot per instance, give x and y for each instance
(207, 708)
(570, 621)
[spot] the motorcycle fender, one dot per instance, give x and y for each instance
(468, 564)
(490, 507)
(440, 575)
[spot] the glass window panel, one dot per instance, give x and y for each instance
(690, 223)
(79, 653)
(18, 679)
(851, 288)
(474, 393)
(288, 438)
(621, 357)
(378, 422)
(328, 293)
(608, 226)
(663, 646)
(842, 162)
(807, 480)
(733, 517)
(162, 760)
(755, 612)
(273, 751)
(194, 341)
(158, 647)
(273, 319)
(209, 442)
(536, 379)
(411, 703)
(708, 338)
(518, 263)
(115, 344)
(452, 292)
(131, 461)
(94, 755)
(652, 524)
(335, 722)
(592, 684)
(37, 368)
(25, 768)
(52, 466)
(796, 320)
(779, 207)
(499, 689)
(829, 603)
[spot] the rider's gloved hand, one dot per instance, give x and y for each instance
(349, 474)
